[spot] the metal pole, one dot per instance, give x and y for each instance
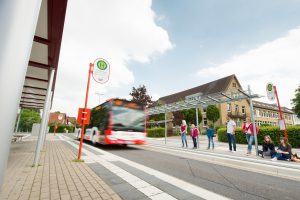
(197, 126)
(280, 111)
(166, 128)
(47, 119)
(44, 122)
(18, 21)
(18, 121)
(253, 121)
(85, 107)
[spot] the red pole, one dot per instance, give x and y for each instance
(280, 112)
(85, 106)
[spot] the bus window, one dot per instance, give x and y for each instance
(128, 119)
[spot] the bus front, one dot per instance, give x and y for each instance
(127, 123)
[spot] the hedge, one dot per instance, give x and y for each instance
(274, 132)
(61, 129)
(156, 132)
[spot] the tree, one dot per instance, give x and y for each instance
(28, 118)
(190, 115)
(212, 113)
(296, 102)
(140, 95)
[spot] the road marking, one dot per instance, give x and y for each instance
(263, 168)
(144, 187)
(193, 189)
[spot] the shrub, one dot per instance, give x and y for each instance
(61, 128)
(156, 132)
(274, 132)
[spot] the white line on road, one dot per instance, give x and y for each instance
(193, 189)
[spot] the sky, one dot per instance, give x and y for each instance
(173, 45)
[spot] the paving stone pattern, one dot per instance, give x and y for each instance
(57, 177)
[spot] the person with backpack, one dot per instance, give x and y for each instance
(194, 135)
(249, 132)
(210, 132)
(183, 132)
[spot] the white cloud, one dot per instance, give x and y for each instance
(277, 61)
(119, 31)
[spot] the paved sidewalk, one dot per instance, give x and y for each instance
(56, 178)
(220, 147)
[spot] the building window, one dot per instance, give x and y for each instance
(243, 110)
(257, 113)
(233, 84)
(236, 109)
(205, 121)
(204, 110)
(228, 107)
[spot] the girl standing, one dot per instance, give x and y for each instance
(183, 132)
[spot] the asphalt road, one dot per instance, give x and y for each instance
(229, 182)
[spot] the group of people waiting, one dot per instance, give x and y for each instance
(283, 152)
(194, 132)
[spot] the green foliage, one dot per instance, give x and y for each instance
(61, 128)
(158, 117)
(28, 118)
(156, 132)
(140, 95)
(212, 113)
(190, 115)
(296, 102)
(218, 127)
(274, 132)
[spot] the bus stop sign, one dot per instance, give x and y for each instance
(84, 116)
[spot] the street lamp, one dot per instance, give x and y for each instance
(99, 95)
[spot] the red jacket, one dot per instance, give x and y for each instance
(194, 132)
(245, 130)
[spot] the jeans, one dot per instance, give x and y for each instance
(183, 139)
(211, 140)
(231, 141)
(195, 141)
(250, 139)
(281, 156)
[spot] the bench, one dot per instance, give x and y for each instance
(18, 137)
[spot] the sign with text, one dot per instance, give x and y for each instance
(101, 71)
(84, 116)
(196, 96)
(270, 91)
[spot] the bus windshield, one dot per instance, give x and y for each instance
(128, 119)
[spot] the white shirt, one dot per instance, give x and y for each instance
(230, 126)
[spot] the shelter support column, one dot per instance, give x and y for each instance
(47, 119)
(44, 123)
(253, 121)
(166, 128)
(197, 125)
(18, 121)
(18, 20)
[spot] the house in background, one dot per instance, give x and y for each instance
(61, 118)
(238, 110)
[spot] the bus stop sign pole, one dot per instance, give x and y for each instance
(85, 108)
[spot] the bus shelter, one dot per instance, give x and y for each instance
(199, 100)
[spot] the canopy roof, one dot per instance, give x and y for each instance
(44, 53)
(201, 100)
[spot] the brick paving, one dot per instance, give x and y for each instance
(57, 177)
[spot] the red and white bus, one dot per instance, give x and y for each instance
(116, 122)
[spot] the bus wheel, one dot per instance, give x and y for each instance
(94, 140)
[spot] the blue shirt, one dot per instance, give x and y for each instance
(210, 132)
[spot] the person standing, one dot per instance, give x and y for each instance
(194, 135)
(249, 132)
(210, 135)
(231, 126)
(183, 132)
